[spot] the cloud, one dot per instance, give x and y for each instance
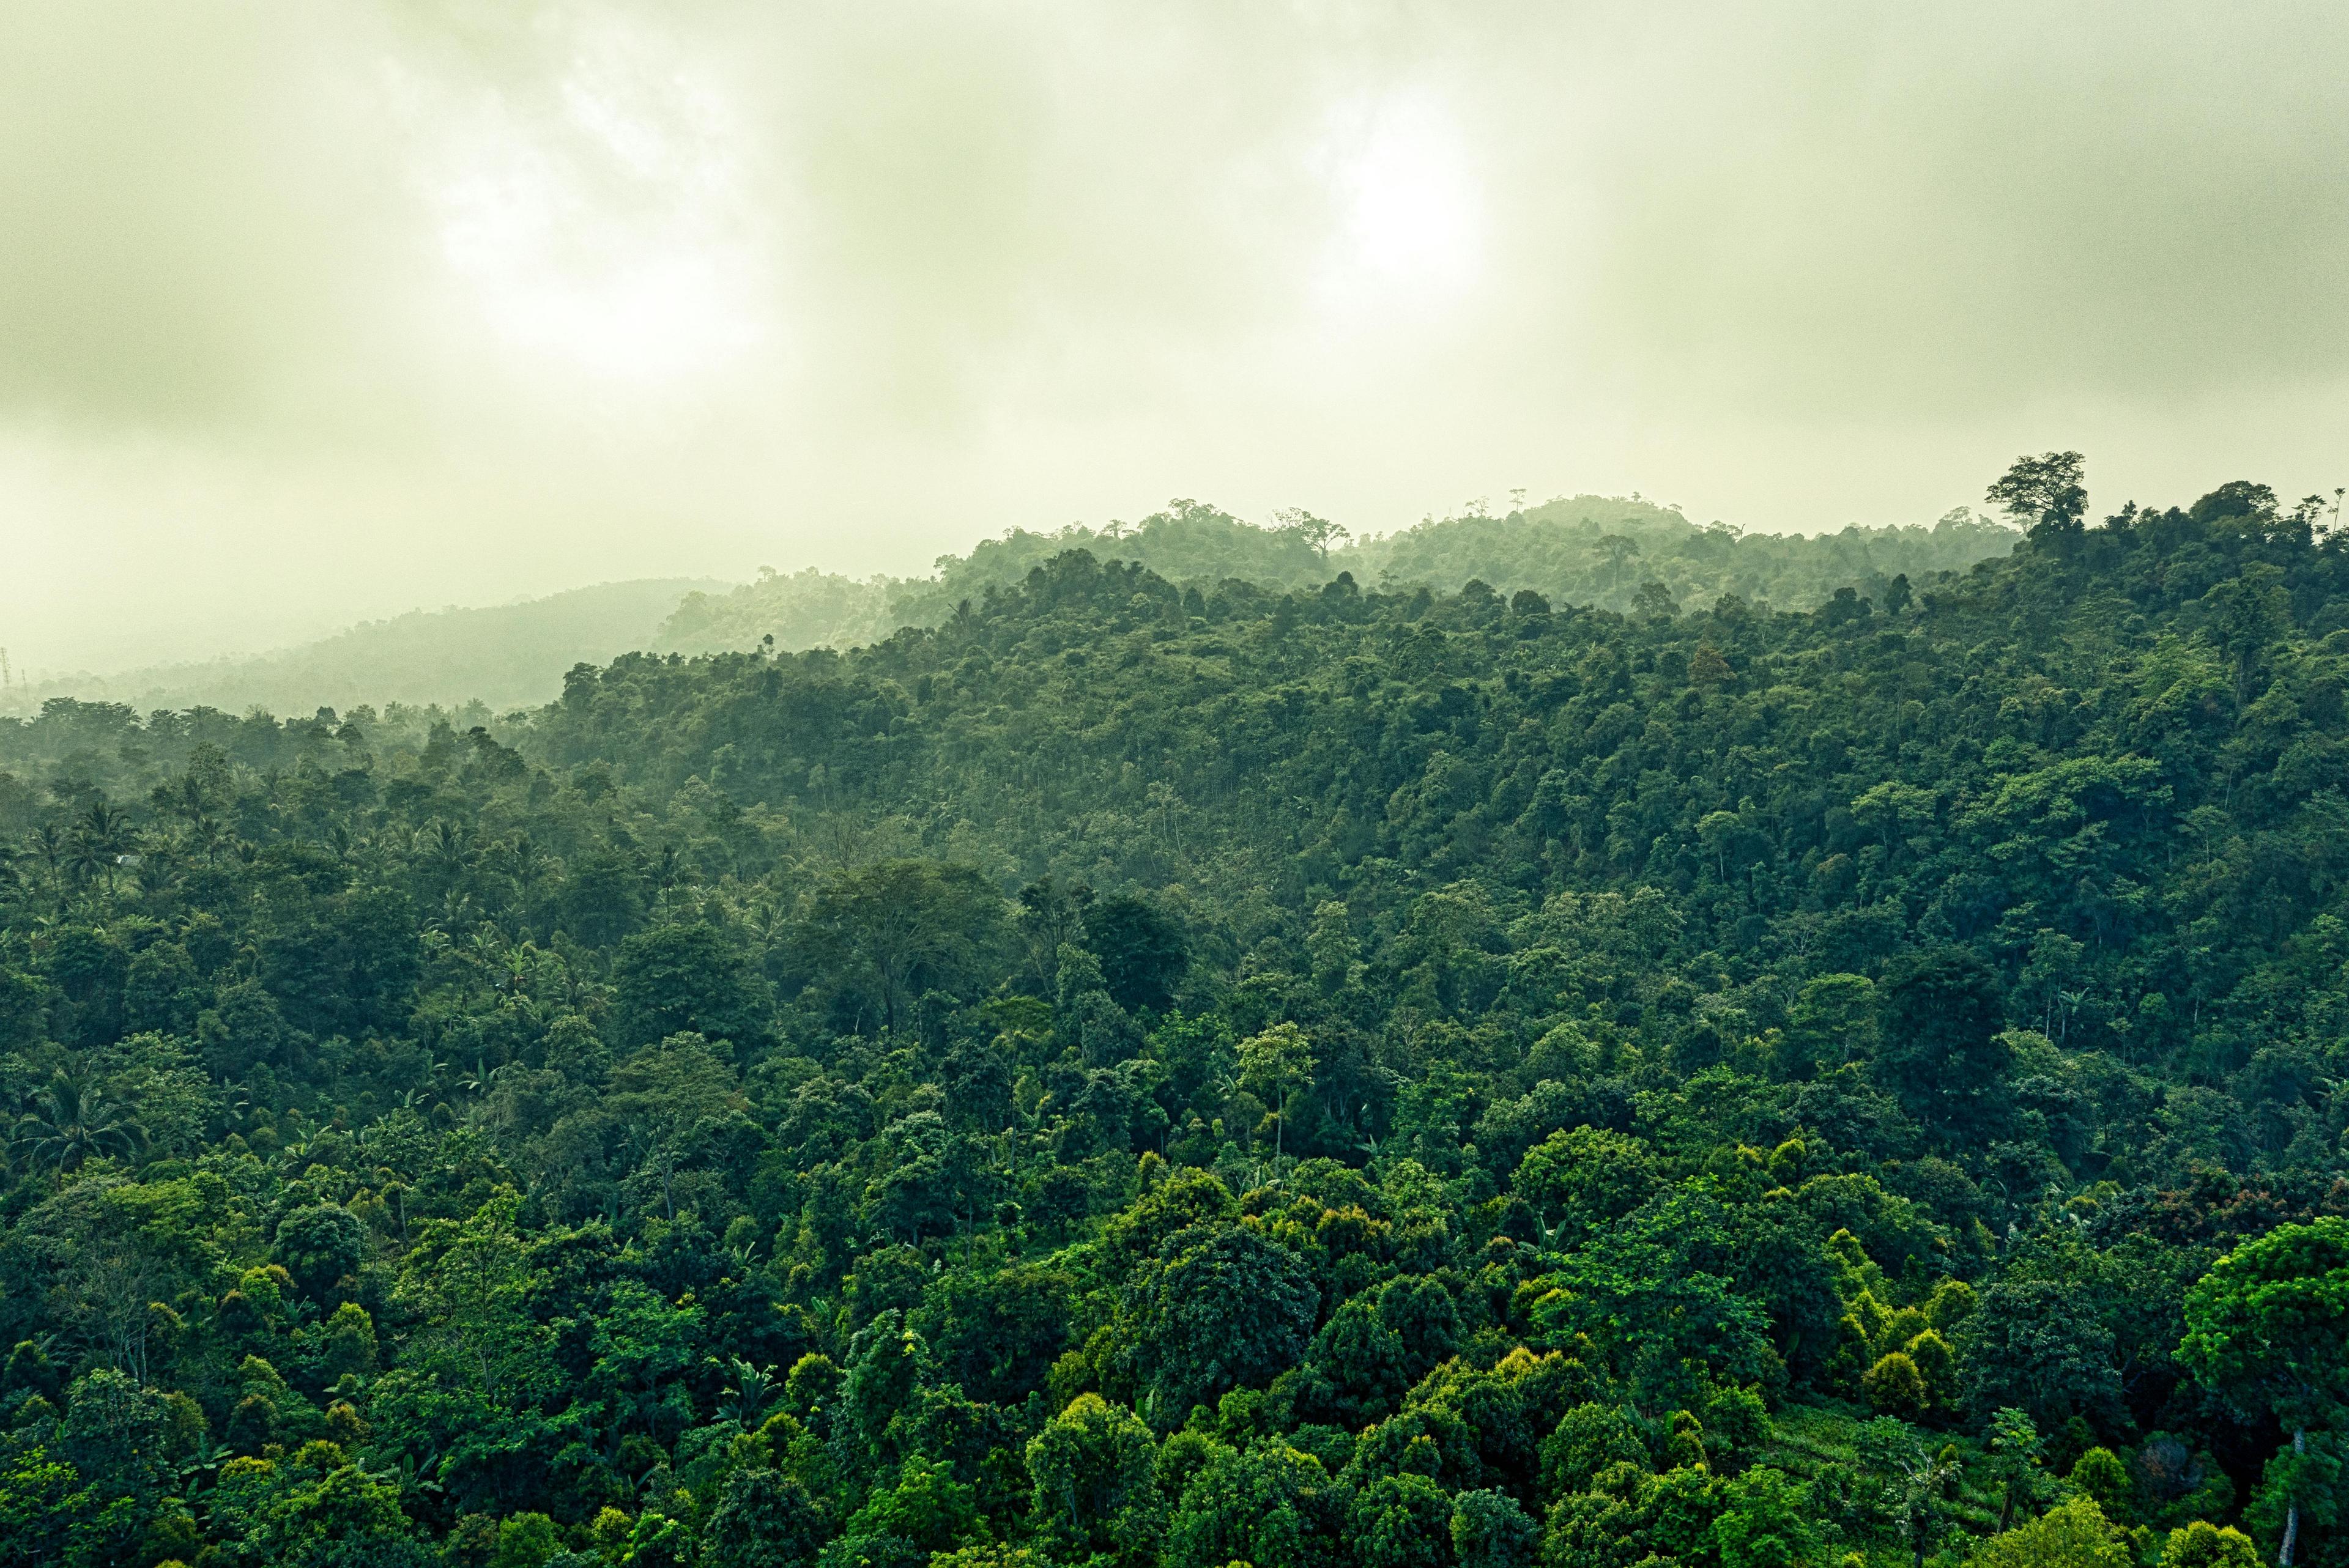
(331, 310)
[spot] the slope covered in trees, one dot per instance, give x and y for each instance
(1153, 1075)
(1588, 549)
(1599, 550)
(500, 655)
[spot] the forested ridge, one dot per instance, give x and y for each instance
(1588, 549)
(1154, 1076)
(1598, 550)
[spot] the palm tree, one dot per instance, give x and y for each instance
(100, 836)
(104, 830)
(450, 849)
(189, 799)
(748, 1392)
(71, 1122)
(86, 859)
(49, 844)
(205, 832)
(157, 874)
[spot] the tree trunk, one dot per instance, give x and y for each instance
(2292, 1511)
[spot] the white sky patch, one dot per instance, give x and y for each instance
(1408, 208)
(608, 237)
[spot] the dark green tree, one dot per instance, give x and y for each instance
(2268, 1327)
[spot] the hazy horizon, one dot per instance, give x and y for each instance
(320, 316)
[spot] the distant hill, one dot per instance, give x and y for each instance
(502, 655)
(1579, 549)
(1594, 550)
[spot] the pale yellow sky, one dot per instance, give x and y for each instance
(314, 313)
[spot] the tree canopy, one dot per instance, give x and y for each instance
(1153, 1066)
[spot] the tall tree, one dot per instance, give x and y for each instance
(2269, 1325)
(2044, 494)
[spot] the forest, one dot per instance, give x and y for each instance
(1598, 550)
(472, 663)
(1162, 1073)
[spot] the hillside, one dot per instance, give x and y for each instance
(1157, 1075)
(503, 655)
(1581, 550)
(1591, 551)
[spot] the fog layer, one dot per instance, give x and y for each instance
(309, 313)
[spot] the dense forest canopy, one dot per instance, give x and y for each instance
(1148, 1074)
(1589, 549)
(1592, 550)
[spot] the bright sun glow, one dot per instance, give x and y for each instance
(1410, 213)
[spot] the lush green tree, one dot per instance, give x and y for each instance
(2043, 493)
(1401, 1521)
(688, 979)
(72, 1122)
(1640, 1299)
(1271, 1505)
(525, 1540)
(2267, 1324)
(904, 927)
(766, 1519)
(1490, 1529)
(1942, 1051)
(926, 1507)
(1358, 1365)
(2072, 1535)
(1588, 1440)
(1142, 950)
(1765, 1521)
(2102, 1478)
(476, 1367)
(1584, 1178)
(1095, 1487)
(319, 1244)
(2202, 1544)
(1229, 1309)
(676, 1101)
(1275, 1063)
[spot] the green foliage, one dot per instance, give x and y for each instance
(1586, 1178)
(1270, 1505)
(2268, 1321)
(2202, 1544)
(319, 1244)
(1156, 1071)
(1587, 1441)
(1489, 1529)
(1096, 1491)
(1227, 1309)
(1765, 1523)
(2102, 1478)
(688, 979)
(766, 1519)
(2073, 1535)
(1894, 1386)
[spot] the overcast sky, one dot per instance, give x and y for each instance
(310, 313)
